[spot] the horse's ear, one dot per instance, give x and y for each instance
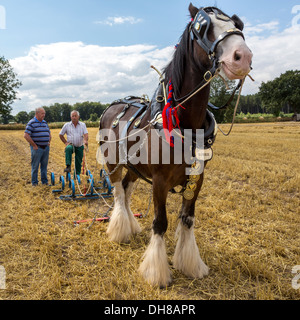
(238, 22)
(193, 10)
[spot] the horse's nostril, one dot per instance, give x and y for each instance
(237, 56)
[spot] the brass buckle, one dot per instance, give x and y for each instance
(207, 76)
(160, 99)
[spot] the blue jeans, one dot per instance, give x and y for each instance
(39, 157)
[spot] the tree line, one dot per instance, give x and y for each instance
(281, 95)
(60, 112)
(91, 111)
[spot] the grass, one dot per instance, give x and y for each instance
(247, 226)
(262, 118)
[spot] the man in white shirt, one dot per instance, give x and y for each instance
(77, 138)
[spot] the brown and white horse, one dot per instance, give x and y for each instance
(211, 41)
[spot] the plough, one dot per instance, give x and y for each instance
(103, 188)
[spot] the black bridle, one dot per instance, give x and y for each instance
(201, 25)
(199, 29)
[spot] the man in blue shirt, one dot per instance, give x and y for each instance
(38, 134)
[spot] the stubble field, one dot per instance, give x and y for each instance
(247, 226)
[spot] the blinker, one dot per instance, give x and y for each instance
(200, 27)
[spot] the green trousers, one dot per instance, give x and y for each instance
(70, 149)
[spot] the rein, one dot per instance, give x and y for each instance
(210, 105)
(199, 32)
(235, 109)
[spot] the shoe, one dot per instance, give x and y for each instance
(68, 169)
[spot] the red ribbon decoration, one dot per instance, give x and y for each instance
(168, 113)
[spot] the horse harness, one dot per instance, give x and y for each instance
(142, 105)
(199, 28)
(198, 31)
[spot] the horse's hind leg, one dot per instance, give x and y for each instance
(187, 258)
(128, 184)
(119, 228)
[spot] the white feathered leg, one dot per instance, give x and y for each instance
(187, 258)
(134, 225)
(119, 228)
(155, 267)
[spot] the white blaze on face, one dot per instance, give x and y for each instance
(234, 55)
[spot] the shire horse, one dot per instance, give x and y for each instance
(212, 41)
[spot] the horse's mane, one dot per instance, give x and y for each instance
(175, 70)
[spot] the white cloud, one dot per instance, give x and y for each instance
(273, 55)
(111, 21)
(75, 72)
(260, 28)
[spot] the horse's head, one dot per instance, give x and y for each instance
(222, 39)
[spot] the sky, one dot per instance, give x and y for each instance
(102, 50)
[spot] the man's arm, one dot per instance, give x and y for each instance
(63, 139)
(31, 142)
(86, 139)
(62, 135)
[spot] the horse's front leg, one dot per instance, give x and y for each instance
(155, 267)
(187, 258)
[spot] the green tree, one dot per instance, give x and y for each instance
(31, 115)
(282, 90)
(49, 117)
(66, 109)
(8, 87)
(93, 117)
(6, 118)
(250, 104)
(219, 95)
(87, 108)
(22, 117)
(56, 112)
(82, 108)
